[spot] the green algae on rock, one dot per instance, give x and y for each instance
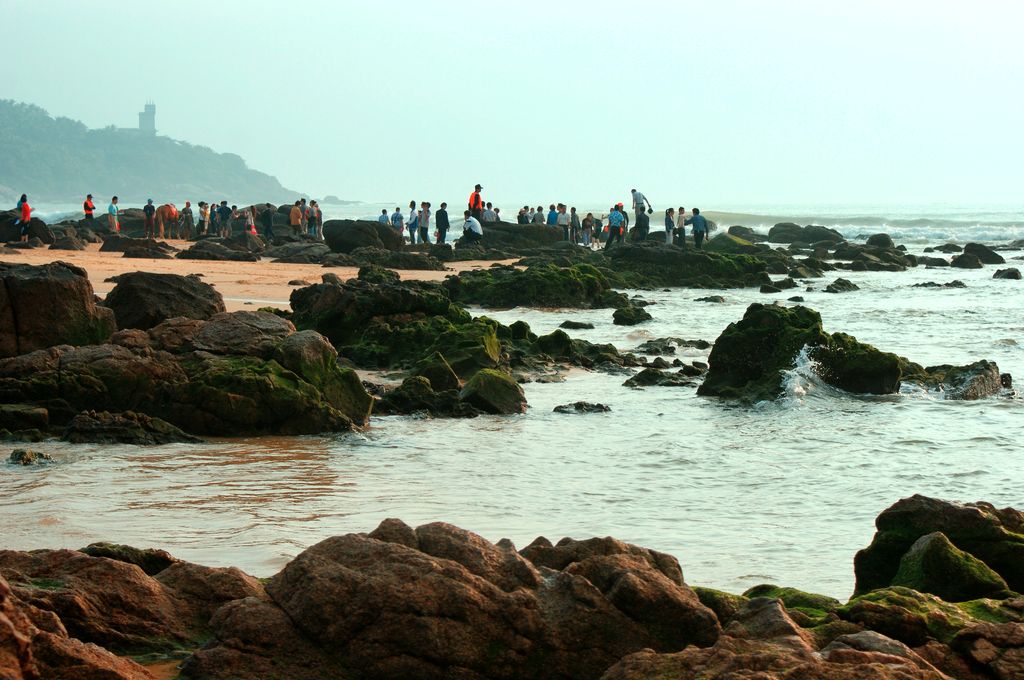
(934, 565)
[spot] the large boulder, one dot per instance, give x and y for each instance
(750, 357)
(787, 232)
(441, 602)
(209, 249)
(1011, 273)
(219, 377)
(993, 536)
(11, 232)
(731, 243)
(966, 261)
(46, 305)
(934, 565)
(656, 264)
(344, 236)
(965, 383)
(881, 241)
(143, 300)
(985, 254)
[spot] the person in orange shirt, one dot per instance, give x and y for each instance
(476, 203)
(295, 218)
(89, 207)
(26, 217)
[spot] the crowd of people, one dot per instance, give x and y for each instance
(306, 218)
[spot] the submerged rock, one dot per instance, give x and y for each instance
(123, 428)
(46, 305)
(576, 325)
(1010, 273)
(841, 286)
(582, 407)
(630, 315)
(26, 457)
(974, 381)
(966, 261)
(651, 377)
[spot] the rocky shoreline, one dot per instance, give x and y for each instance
(938, 596)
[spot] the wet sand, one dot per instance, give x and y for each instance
(244, 285)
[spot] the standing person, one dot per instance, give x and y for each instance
(643, 226)
(670, 225)
(699, 228)
(233, 220)
(149, 210)
(88, 207)
(295, 218)
(424, 223)
(638, 203)
(413, 223)
(383, 219)
(562, 219)
(587, 228)
(476, 203)
(538, 216)
(574, 225)
(186, 221)
(625, 218)
(681, 227)
(267, 220)
(304, 217)
(249, 215)
(616, 225)
(398, 221)
(530, 214)
(26, 217)
(113, 215)
(441, 219)
(318, 220)
(214, 226)
(204, 216)
(552, 216)
(523, 216)
(472, 232)
(224, 215)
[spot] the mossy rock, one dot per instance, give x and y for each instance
(373, 273)
(150, 560)
(544, 285)
(630, 315)
(815, 607)
(857, 367)
(494, 392)
(994, 536)
(730, 243)
(749, 358)
(724, 605)
(415, 395)
(934, 565)
(913, 617)
(438, 372)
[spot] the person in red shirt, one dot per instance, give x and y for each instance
(476, 203)
(26, 217)
(88, 207)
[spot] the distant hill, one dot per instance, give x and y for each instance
(61, 160)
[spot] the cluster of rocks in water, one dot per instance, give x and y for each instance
(937, 598)
(160, 359)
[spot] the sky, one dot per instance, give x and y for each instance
(725, 104)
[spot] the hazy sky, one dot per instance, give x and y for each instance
(720, 103)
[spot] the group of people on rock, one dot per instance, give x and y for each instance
(416, 225)
(306, 218)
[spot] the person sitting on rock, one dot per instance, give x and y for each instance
(472, 232)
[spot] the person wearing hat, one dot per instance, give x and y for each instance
(88, 207)
(476, 203)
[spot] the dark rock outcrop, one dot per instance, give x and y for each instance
(123, 428)
(344, 236)
(209, 249)
(630, 315)
(46, 305)
(985, 254)
(1010, 273)
(143, 300)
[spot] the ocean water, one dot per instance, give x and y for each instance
(783, 492)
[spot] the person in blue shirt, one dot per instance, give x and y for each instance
(383, 219)
(616, 223)
(552, 217)
(698, 227)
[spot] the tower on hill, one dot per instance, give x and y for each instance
(147, 119)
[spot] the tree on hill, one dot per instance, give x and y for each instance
(59, 159)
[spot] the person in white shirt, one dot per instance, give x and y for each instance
(424, 223)
(489, 214)
(472, 232)
(563, 221)
(638, 202)
(681, 227)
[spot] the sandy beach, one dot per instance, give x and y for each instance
(244, 285)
